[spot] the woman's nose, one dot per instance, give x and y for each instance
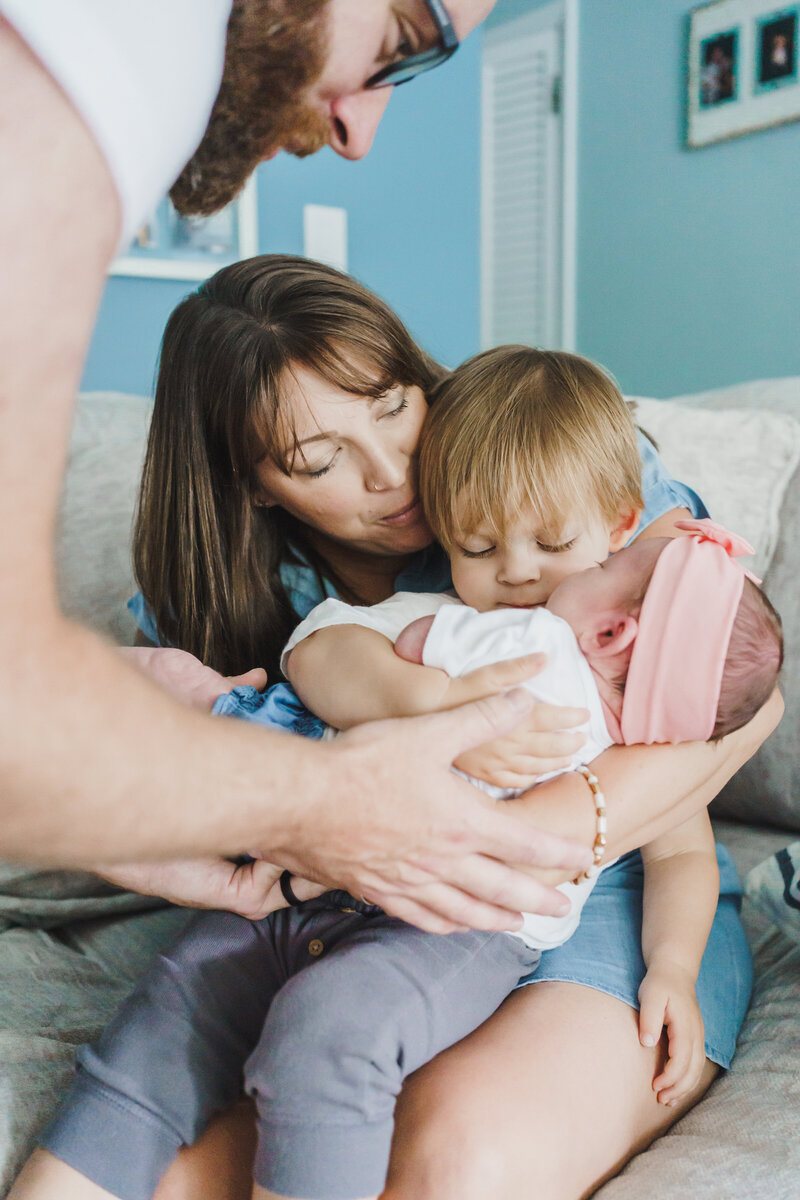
(354, 120)
(386, 472)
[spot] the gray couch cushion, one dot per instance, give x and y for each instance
(742, 1139)
(766, 790)
(94, 568)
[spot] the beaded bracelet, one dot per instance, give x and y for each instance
(601, 827)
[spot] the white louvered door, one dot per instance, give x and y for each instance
(521, 181)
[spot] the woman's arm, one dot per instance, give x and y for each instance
(648, 789)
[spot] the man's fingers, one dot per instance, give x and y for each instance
(471, 725)
(553, 718)
(538, 745)
(415, 913)
(500, 676)
(505, 837)
(501, 888)
(441, 907)
(484, 720)
(505, 891)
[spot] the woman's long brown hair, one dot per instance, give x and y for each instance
(206, 557)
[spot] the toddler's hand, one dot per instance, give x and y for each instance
(186, 678)
(543, 743)
(667, 998)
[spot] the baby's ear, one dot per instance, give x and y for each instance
(624, 530)
(611, 634)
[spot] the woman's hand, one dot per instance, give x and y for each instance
(186, 678)
(668, 999)
(543, 743)
(251, 890)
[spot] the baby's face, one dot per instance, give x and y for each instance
(585, 599)
(525, 566)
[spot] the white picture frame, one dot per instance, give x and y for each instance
(172, 247)
(743, 75)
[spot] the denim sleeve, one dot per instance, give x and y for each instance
(141, 612)
(660, 492)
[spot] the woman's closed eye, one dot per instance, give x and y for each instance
(401, 406)
(317, 472)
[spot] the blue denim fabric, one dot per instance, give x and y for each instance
(279, 707)
(605, 952)
(659, 491)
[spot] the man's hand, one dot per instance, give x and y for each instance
(394, 825)
(251, 890)
(667, 999)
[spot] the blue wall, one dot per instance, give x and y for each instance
(688, 260)
(413, 227)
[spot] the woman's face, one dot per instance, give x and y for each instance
(353, 478)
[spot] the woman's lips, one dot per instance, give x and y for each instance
(404, 516)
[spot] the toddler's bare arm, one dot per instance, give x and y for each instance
(680, 897)
(350, 674)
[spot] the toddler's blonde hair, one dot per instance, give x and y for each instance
(515, 429)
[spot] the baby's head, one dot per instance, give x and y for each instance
(529, 471)
(683, 646)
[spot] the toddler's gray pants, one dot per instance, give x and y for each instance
(319, 1012)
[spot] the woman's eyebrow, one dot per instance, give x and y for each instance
(289, 455)
(317, 437)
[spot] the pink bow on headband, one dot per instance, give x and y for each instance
(710, 531)
(675, 674)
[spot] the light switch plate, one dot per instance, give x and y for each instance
(325, 234)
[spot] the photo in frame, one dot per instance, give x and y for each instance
(743, 68)
(169, 246)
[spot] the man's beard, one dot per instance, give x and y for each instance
(275, 51)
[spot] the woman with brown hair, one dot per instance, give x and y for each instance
(281, 469)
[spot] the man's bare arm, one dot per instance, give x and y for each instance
(98, 764)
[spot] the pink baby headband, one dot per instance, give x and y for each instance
(675, 674)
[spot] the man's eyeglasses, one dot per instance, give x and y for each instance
(408, 68)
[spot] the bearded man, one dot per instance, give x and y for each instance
(104, 104)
